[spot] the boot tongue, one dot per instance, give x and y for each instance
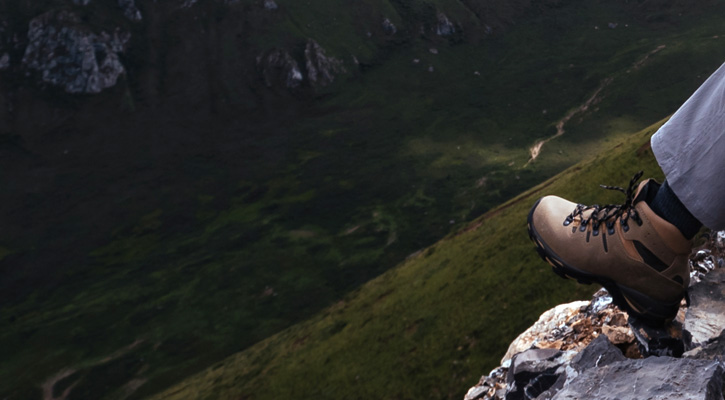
(646, 192)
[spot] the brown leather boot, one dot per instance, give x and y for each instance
(640, 258)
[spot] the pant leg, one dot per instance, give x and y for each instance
(690, 149)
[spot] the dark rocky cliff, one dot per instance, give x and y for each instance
(592, 350)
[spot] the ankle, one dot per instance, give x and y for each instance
(666, 204)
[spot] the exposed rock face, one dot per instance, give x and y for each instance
(534, 371)
(279, 68)
(572, 326)
(82, 2)
(130, 10)
(388, 27)
(592, 350)
(650, 378)
(270, 5)
(706, 315)
(68, 56)
(444, 26)
(709, 257)
(321, 69)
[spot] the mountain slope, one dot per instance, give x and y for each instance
(436, 322)
(192, 210)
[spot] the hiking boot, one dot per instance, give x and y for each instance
(640, 258)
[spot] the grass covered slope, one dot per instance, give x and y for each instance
(178, 230)
(432, 326)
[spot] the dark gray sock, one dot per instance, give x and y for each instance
(666, 204)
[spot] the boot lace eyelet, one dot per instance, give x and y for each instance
(608, 215)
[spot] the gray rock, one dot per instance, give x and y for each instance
(130, 10)
(4, 61)
(67, 55)
(82, 2)
(388, 27)
(650, 378)
(705, 318)
(188, 3)
(532, 372)
(708, 257)
(598, 353)
(713, 350)
(321, 69)
(444, 26)
(278, 68)
(270, 5)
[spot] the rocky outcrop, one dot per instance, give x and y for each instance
(270, 5)
(593, 350)
(388, 27)
(321, 69)
(650, 378)
(279, 68)
(444, 26)
(67, 55)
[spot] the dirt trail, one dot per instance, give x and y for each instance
(48, 386)
(535, 150)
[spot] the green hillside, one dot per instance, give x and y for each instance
(430, 327)
(191, 211)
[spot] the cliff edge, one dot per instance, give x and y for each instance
(593, 350)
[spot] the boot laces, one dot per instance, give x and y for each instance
(610, 213)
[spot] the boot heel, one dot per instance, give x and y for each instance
(648, 308)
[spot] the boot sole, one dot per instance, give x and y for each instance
(654, 312)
